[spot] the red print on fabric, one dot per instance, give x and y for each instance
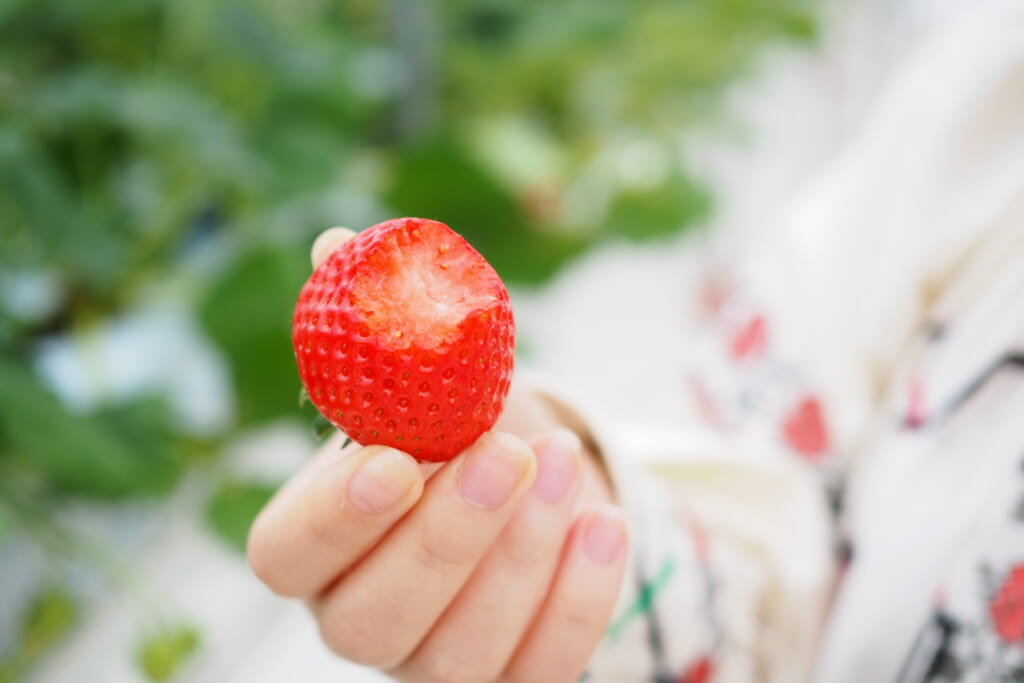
(700, 671)
(698, 536)
(750, 340)
(1006, 608)
(705, 402)
(712, 293)
(804, 428)
(916, 413)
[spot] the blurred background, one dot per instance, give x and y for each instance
(164, 168)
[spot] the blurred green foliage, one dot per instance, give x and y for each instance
(48, 618)
(205, 143)
(246, 312)
(119, 451)
(233, 507)
(163, 653)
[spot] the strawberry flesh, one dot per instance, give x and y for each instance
(420, 284)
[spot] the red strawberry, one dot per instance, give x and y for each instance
(404, 337)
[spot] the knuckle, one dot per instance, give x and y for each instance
(441, 551)
(319, 530)
(546, 673)
(524, 555)
(350, 639)
(263, 560)
(324, 525)
(452, 666)
(580, 620)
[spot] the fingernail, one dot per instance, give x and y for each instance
(604, 538)
(557, 465)
(383, 480)
(327, 242)
(491, 472)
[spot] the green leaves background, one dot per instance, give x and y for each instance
(194, 148)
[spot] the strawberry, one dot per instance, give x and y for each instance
(404, 337)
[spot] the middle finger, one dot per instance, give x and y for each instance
(480, 630)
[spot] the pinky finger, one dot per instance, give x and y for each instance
(576, 612)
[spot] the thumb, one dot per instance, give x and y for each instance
(327, 242)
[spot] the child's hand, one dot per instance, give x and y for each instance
(502, 564)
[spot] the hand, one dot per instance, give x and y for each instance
(501, 565)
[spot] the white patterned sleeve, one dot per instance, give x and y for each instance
(730, 563)
(732, 536)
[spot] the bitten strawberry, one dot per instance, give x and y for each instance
(404, 337)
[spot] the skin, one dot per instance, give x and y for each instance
(503, 564)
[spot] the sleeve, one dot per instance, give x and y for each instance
(806, 337)
(723, 547)
(732, 560)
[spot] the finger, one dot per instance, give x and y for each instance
(478, 633)
(576, 612)
(381, 610)
(524, 413)
(327, 242)
(335, 511)
(336, 448)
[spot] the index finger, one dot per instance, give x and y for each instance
(327, 242)
(329, 515)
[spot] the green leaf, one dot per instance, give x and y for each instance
(798, 24)
(48, 224)
(662, 210)
(233, 508)
(5, 524)
(145, 424)
(162, 655)
(248, 313)
(83, 455)
(440, 180)
(322, 427)
(8, 671)
(48, 619)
